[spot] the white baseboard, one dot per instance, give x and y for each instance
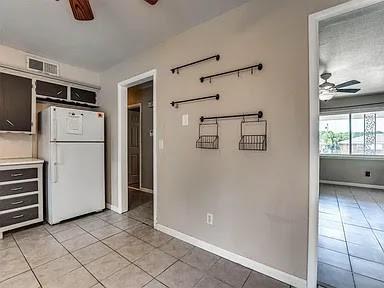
(352, 184)
(264, 269)
(114, 208)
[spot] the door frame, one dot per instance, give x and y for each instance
(122, 163)
(138, 105)
(314, 114)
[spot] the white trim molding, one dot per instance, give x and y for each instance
(360, 185)
(122, 164)
(314, 114)
(114, 208)
(246, 262)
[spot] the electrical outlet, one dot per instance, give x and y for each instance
(209, 219)
(367, 173)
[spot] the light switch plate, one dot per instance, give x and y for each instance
(185, 120)
(161, 144)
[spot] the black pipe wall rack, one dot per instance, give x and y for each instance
(258, 115)
(176, 103)
(253, 141)
(208, 140)
(177, 69)
(259, 67)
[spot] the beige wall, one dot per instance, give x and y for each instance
(352, 170)
(259, 199)
(23, 145)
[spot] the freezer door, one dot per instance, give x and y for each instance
(76, 186)
(76, 125)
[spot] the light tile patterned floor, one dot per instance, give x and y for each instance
(112, 250)
(351, 237)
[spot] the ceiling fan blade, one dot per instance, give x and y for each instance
(348, 83)
(152, 2)
(81, 10)
(348, 90)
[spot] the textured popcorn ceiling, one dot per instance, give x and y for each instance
(352, 47)
(122, 28)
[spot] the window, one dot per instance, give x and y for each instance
(352, 134)
(334, 134)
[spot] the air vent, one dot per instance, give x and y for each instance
(42, 66)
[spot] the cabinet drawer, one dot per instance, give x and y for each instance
(20, 216)
(18, 174)
(18, 188)
(18, 202)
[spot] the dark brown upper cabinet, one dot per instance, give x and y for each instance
(15, 103)
(81, 95)
(51, 90)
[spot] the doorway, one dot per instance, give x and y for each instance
(337, 223)
(122, 156)
(140, 151)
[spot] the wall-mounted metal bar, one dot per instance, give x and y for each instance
(177, 69)
(259, 67)
(176, 103)
(258, 115)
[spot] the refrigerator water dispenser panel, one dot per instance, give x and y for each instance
(74, 124)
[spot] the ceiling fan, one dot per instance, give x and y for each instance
(82, 9)
(328, 89)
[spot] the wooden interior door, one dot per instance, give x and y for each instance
(134, 147)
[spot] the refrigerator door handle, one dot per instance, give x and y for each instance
(54, 163)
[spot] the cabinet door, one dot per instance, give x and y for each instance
(83, 95)
(51, 90)
(16, 96)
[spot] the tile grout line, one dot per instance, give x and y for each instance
(204, 273)
(246, 280)
(26, 260)
(69, 252)
(101, 241)
(380, 207)
(345, 237)
(372, 230)
(81, 265)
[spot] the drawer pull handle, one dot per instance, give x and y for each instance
(17, 203)
(17, 189)
(17, 174)
(18, 216)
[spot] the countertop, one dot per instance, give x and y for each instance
(20, 161)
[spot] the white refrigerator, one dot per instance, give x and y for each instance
(72, 144)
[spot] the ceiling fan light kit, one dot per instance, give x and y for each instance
(328, 90)
(326, 96)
